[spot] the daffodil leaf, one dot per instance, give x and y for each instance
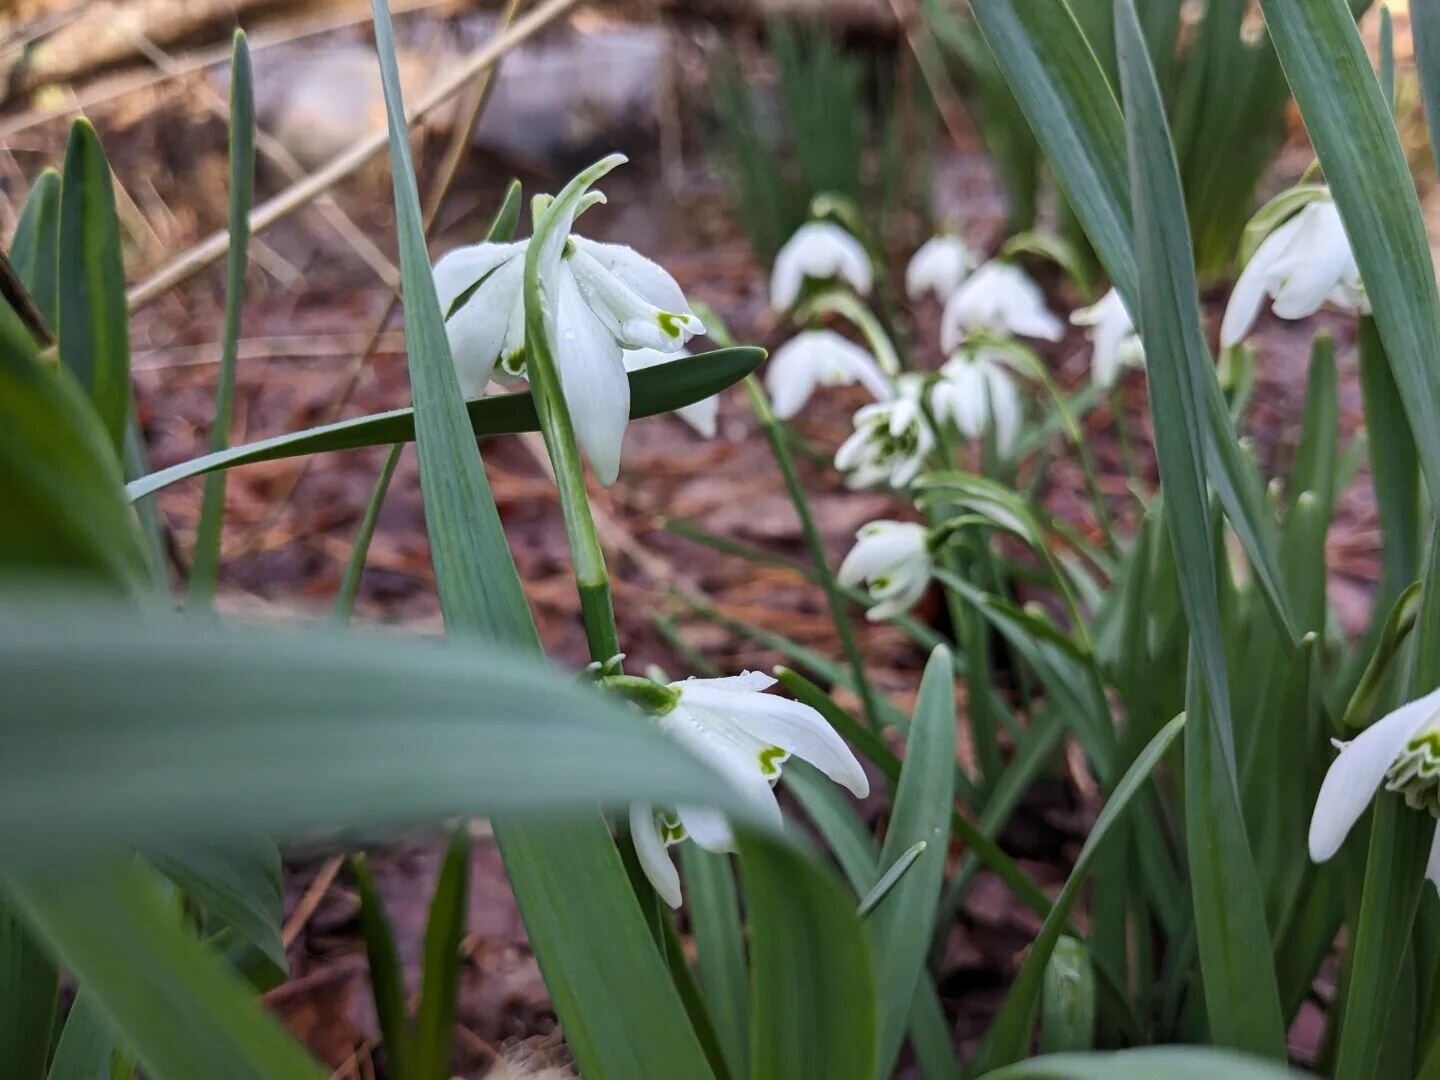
(659, 389)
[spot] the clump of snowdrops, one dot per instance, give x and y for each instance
(1179, 640)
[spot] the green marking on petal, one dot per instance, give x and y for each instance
(771, 758)
(672, 324)
(671, 831)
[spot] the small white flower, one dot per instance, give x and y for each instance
(891, 440)
(1401, 751)
(939, 266)
(1301, 265)
(893, 559)
(608, 298)
(1113, 334)
(999, 298)
(819, 358)
(975, 391)
(700, 415)
(746, 735)
(820, 251)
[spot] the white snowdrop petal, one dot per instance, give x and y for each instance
(651, 281)
(463, 268)
(654, 859)
(707, 827)
(592, 377)
(1356, 774)
(795, 728)
(818, 250)
(698, 731)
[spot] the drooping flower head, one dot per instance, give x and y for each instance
(818, 253)
(1000, 299)
(1112, 332)
(976, 391)
(599, 300)
(819, 358)
(746, 735)
(891, 441)
(938, 266)
(1301, 265)
(893, 559)
(700, 415)
(1400, 751)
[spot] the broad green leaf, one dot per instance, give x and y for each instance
(1009, 1033)
(478, 728)
(35, 248)
(1354, 137)
(87, 1047)
(582, 916)
(720, 944)
(165, 993)
(812, 991)
(65, 506)
(660, 389)
(902, 923)
(1394, 464)
(93, 329)
(1149, 1063)
(205, 559)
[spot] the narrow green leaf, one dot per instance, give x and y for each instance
(87, 1047)
(355, 565)
(94, 328)
(205, 559)
(719, 941)
(435, 1022)
(387, 978)
(64, 502)
(35, 248)
(890, 878)
(582, 916)
(901, 926)
(168, 996)
(1317, 453)
(1009, 1033)
(1067, 1000)
(239, 886)
(812, 991)
(1394, 464)
(1355, 139)
(660, 389)
(29, 993)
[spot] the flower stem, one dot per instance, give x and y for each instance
(775, 431)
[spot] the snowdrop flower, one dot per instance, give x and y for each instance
(1301, 265)
(607, 298)
(746, 735)
(1116, 343)
(700, 415)
(893, 559)
(819, 358)
(819, 251)
(891, 440)
(1400, 751)
(999, 298)
(939, 266)
(975, 391)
